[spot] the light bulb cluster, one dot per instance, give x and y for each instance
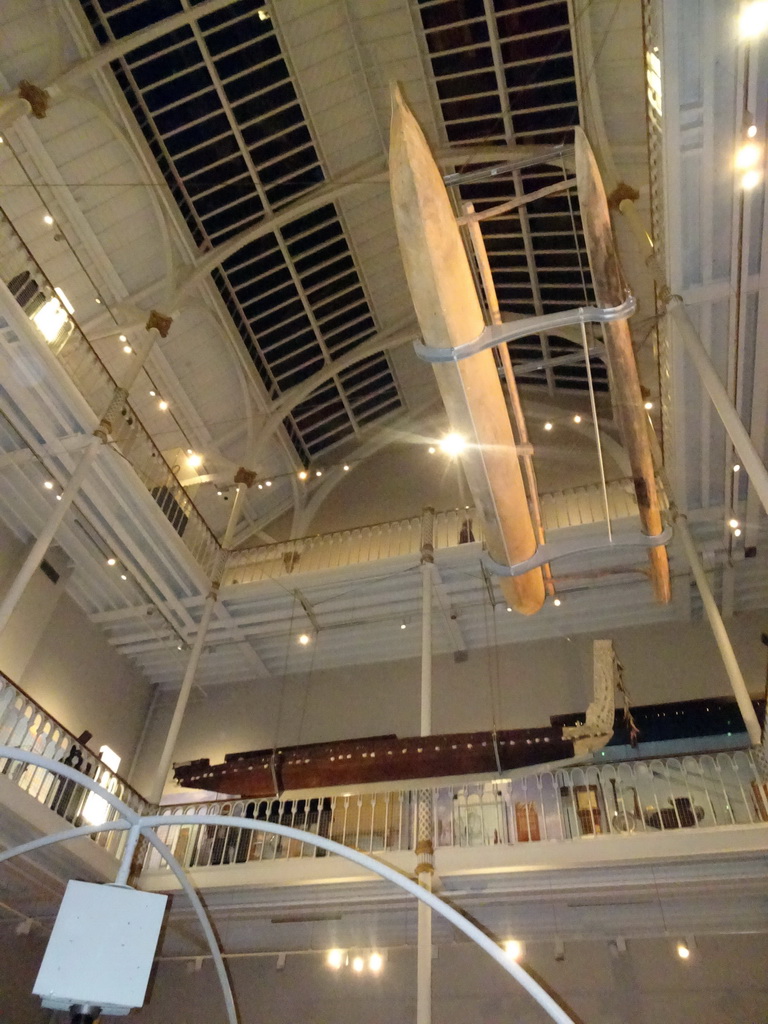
(357, 962)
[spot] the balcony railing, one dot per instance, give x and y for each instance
(24, 724)
(639, 797)
(35, 295)
(573, 507)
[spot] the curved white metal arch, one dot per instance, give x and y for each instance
(147, 824)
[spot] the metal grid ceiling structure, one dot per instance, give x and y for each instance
(504, 73)
(222, 116)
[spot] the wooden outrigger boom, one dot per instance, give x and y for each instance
(610, 290)
(449, 314)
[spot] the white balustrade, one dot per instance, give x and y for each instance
(651, 797)
(24, 724)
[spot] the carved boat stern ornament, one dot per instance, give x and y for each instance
(449, 314)
(597, 728)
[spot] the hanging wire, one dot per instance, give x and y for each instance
(307, 685)
(279, 719)
(588, 362)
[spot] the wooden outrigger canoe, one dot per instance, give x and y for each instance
(449, 314)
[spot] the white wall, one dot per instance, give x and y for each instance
(668, 662)
(63, 661)
(725, 982)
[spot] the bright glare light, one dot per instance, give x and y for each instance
(263, 14)
(733, 523)
(358, 964)
(403, 625)
(123, 576)
(453, 444)
(557, 602)
(111, 561)
(750, 179)
(431, 449)
(737, 532)
(577, 418)
(48, 485)
(548, 425)
(194, 461)
(682, 951)
(736, 468)
(96, 809)
(152, 393)
(335, 958)
(375, 962)
(122, 338)
(513, 948)
(50, 319)
(509, 608)
(127, 349)
(753, 19)
(267, 483)
(318, 472)
(304, 639)
(48, 219)
(64, 300)
(346, 469)
(163, 404)
(303, 474)
(752, 131)
(648, 405)
(747, 156)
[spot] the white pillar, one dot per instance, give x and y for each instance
(37, 552)
(424, 814)
(157, 326)
(164, 764)
(717, 625)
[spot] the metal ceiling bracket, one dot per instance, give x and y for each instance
(500, 334)
(578, 546)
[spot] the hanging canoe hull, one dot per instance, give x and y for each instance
(449, 314)
(375, 759)
(610, 290)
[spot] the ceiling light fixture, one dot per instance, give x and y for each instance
(358, 964)
(737, 532)
(733, 523)
(513, 948)
(557, 602)
(751, 180)
(736, 468)
(683, 951)
(304, 639)
(375, 962)
(267, 483)
(346, 468)
(431, 449)
(127, 349)
(194, 461)
(548, 425)
(123, 338)
(403, 624)
(577, 418)
(753, 19)
(747, 156)
(123, 576)
(152, 393)
(752, 131)
(48, 485)
(48, 219)
(163, 404)
(648, 406)
(335, 958)
(303, 474)
(318, 472)
(112, 561)
(453, 444)
(58, 497)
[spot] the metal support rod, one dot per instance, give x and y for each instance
(166, 757)
(37, 552)
(596, 425)
(486, 277)
(717, 625)
(678, 315)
